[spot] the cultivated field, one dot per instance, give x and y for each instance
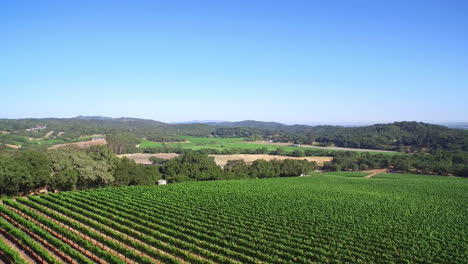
(330, 218)
(197, 143)
(318, 147)
(221, 160)
(81, 144)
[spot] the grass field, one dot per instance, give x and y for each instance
(330, 218)
(197, 143)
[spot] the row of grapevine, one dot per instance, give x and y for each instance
(323, 219)
(7, 253)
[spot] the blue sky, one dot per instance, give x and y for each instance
(288, 61)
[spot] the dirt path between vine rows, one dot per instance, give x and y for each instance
(375, 172)
(21, 252)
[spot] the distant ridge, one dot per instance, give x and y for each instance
(93, 117)
(248, 123)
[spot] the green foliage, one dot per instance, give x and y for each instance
(128, 172)
(10, 253)
(236, 146)
(15, 177)
(191, 166)
(122, 142)
(398, 136)
(91, 173)
(391, 218)
(441, 162)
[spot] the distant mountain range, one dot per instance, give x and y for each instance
(264, 124)
(281, 126)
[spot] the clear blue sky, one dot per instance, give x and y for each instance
(289, 61)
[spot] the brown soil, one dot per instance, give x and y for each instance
(60, 133)
(221, 160)
(316, 147)
(4, 132)
(83, 144)
(16, 248)
(143, 158)
(49, 134)
(375, 172)
(93, 135)
(32, 139)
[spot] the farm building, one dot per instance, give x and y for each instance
(37, 128)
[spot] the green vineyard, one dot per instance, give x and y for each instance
(327, 218)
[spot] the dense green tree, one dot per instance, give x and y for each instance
(128, 172)
(236, 169)
(191, 166)
(15, 176)
(122, 142)
(91, 173)
(262, 169)
(37, 164)
(290, 167)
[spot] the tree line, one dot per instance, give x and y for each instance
(440, 162)
(201, 167)
(70, 168)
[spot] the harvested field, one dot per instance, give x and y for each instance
(143, 158)
(317, 147)
(83, 144)
(221, 160)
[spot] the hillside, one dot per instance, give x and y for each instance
(400, 136)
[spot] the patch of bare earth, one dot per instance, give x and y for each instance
(143, 158)
(13, 146)
(93, 135)
(315, 147)
(375, 172)
(60, 133)
(49, 134)
(82, 144)
(221, 160)
(32, 139)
